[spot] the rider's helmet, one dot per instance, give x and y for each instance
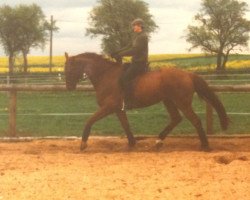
(138, 21)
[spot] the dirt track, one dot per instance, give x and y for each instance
(56, 169)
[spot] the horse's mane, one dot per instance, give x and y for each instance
(98, 58)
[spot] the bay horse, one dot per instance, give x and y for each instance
(172, 86)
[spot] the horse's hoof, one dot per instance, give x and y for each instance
(206, 148)
(158, 144)
(131, 146)
(132, 143)
(83, 146)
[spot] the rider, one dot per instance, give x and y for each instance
(139, 64)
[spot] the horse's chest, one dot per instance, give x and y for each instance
(108, 95)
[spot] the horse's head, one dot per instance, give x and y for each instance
(91, 64)
(73, 72)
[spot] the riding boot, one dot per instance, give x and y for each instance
(123, 106)
(126, 104)
(128, 96)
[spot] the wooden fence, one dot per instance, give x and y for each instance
(13, 89)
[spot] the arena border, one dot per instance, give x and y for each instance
(138, 137)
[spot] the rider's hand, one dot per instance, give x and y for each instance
(113, 55)
(117, 57)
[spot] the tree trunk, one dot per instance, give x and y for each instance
(11, 67)
(225, 59)
(11, 64)
(219, 61)
(218, 67)
(25, 62)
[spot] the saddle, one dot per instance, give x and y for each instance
(126, 65)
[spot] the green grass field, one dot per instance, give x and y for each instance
(65, 113)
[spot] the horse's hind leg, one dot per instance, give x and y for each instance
(196, 122)
(175, 118)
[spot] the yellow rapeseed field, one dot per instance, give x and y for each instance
(236, 64)
(40, 64)
(160, 57)
(36, 64)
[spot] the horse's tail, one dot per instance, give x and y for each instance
(206, 93)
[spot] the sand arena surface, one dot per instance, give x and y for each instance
(57, 170)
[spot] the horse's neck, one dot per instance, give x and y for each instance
(101, 77)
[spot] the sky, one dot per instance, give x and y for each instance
(172, 17)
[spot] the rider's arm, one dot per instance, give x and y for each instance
(138, 46)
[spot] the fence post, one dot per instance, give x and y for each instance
(8, 80)
(209, 118)
(12, 113)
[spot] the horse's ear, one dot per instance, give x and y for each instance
(66, 55)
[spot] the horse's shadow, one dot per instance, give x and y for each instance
(142, 145)
(148, 145)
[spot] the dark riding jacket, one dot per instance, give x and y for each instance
(138, 49)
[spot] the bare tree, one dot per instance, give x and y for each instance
(221, 28)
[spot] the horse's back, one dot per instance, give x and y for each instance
(166, 77)
(177, 78)
(164, 83)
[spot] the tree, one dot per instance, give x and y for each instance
(22, 28)
(32, 29)
(221, 28)
(112, 19)
(8, 34)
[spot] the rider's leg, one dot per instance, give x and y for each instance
(126, 81)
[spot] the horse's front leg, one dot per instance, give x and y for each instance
(101, 113)
(124, 122)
